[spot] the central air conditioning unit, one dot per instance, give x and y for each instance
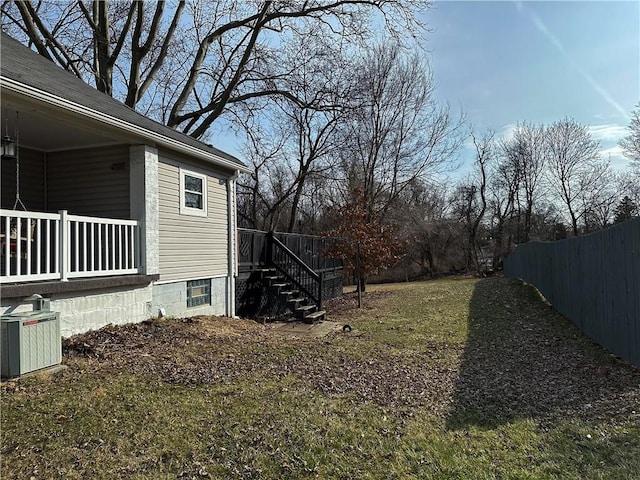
(29, 341)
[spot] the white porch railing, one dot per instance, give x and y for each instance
(59, 246)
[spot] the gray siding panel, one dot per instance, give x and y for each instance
(190, 246)
(90, 181)
(593, 280)
(31, 180)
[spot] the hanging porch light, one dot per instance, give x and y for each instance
(9, 145)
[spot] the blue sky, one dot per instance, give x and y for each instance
(505, 62)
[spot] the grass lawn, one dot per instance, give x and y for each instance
(465, 378)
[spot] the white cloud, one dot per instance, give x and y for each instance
(507, 131)
(615, 156)
(615, 151)
(608, 132)
(609, 135)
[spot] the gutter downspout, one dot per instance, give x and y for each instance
(232, 247)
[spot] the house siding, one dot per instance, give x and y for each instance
(190, 246)
(31, 180)
(90, 181)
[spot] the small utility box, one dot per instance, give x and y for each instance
(29, 341)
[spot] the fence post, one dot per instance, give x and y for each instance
(255, 255)
(320, 290)
(270, 248)
(64, 245)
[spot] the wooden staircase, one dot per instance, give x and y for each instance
(285, 276)
(290, 298)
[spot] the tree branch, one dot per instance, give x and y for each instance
(163, 50)
(226, 95)
(123, 35)
(32, 20)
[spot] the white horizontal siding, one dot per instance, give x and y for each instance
(190, 246)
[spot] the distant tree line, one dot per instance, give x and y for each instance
(539, 182)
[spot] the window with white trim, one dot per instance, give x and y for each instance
(193, 193)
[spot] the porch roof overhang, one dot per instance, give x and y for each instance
(28, 79)
(13, 89)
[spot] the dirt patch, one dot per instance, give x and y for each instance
(211, 350)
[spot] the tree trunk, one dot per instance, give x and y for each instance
(363, 283)
(497, 247)
(296, 199)
(104, 70)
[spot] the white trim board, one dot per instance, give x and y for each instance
(165, 282)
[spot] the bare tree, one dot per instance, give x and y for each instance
(575, 170)
(484, 153)
(96, 40)
(631, 143)
(420, 215)
(201, 58)
(503, 187)
(268, 182)
(307, 135)
(397, 131)
(598, 201)
(322, 141)
(325, 84)
(526, 151)
(304, 139)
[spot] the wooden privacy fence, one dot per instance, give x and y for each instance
(593, 280)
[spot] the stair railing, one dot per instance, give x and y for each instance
(294, 269)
